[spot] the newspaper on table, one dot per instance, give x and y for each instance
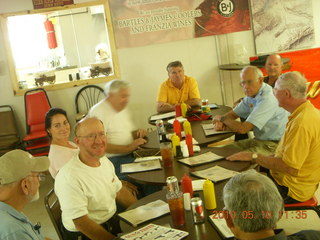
(153, 231)
(208, 129)
(215, 173)
(140, 166)
(201, 159)
(163, 116)
(221, 225)
(146, 212)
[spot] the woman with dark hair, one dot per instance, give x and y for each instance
(61, 149)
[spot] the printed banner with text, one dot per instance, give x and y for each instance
(143, 22)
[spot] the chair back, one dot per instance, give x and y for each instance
(87, 97)
(52, 205)
(36, 106)
(9, 137)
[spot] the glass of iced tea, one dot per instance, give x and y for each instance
(166, 154)
(175, 202)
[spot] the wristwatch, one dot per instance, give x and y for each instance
(254, 158)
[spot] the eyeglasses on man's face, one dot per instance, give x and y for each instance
(40, 176)
(247, 82)
(93, 137)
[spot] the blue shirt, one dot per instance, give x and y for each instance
(264, 113)
(15, 225)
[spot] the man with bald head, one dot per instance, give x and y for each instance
(273, 67)
(88, 188)
(261, 111)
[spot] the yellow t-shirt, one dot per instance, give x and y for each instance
(170, 94)
(300, 148)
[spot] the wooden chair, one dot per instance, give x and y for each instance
(9, 136)
(86, 98)
(52, 205)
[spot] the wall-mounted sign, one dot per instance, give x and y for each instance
(143, 22)
(50, 3)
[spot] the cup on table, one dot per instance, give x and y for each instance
(176, 209)
(166, 154)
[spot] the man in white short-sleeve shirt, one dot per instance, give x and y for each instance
(122, 137)
(87, 187)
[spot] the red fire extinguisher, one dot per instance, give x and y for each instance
(51, 36)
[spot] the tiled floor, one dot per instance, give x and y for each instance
(37, 212)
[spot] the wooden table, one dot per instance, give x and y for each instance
(204, 231)
(158, 177)
(197, 131)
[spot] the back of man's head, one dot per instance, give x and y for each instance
(114, 86)
(253, 201)
(295, 82)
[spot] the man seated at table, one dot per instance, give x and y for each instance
(273, 67)
(122, 137)
(19, 185)
(177, 89)
(261, 111)
(253, 207)
(87, 187)
(295, 167)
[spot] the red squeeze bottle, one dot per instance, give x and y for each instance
(186, 184)
(178, 110)
(177, 128)
(189, 144)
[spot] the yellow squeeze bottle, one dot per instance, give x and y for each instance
(175, 142)
(209, 195)
(184, 109)
(187, 128)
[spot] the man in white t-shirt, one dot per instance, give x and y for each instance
(88, 188)
(122, 137)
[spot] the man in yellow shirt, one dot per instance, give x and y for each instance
(177, 89)
(295, 167)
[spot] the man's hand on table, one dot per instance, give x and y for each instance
(240, 156)
(136, 143)
(218, 125)
(141, 133)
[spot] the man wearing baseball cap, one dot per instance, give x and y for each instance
(19, 185)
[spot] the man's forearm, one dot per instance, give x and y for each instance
(236, 126)
(164, 107)
(193, 102)
(92, 229)
(113, 148)
(276, 164)
(125, 198)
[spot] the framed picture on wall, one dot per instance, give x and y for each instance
(282, 25)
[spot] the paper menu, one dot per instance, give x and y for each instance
(215, 173)
(153, 231)
(221, 225)
(140, 166)
(146, 212)
(163, 116)
(208, 129)
(201, 159)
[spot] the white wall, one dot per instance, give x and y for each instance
(145, 66)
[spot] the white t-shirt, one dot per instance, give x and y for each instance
(118, 125)
(84, 190)
(59, 156)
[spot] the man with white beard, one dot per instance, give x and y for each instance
(20, 174)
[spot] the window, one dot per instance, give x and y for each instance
(65, 47)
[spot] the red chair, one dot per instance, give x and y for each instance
(36, 106)
(309, 204)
